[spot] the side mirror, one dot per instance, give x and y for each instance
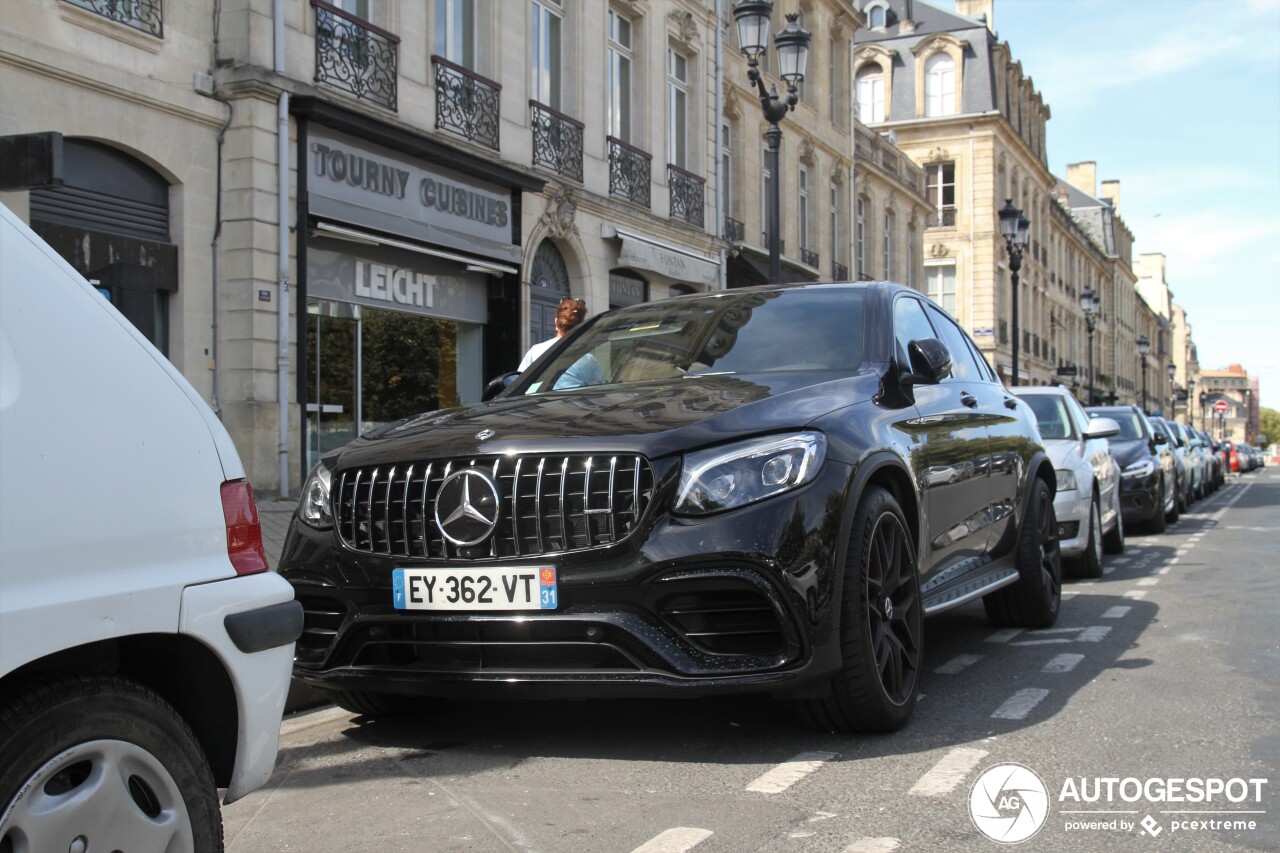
(1102, 428)
(498, 385)
(1159, 438)
(930, 362)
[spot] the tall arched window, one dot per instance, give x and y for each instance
(939, 86)
(871, 94)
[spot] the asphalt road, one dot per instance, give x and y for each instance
(1164, 676)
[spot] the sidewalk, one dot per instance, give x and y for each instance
(274, 516)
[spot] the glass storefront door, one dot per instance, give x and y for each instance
(367, 368)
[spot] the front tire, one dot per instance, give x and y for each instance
(1089, 564)
(1113, 540)
(105, 761)
(881, 627)
(1033, 601)
(1158, 523)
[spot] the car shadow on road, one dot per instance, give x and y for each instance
(450, 739)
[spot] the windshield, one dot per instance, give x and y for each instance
(726, 334)
(1051, 416)
(1130, 424)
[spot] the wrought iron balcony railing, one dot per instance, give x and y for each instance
(629, 172)
(734, 231)
(687, 195)
(764, 241)
(466, 103)
(945, 218)
(839, 272)
(355, 56)
(557, 141)
(144, 15)
(809, 257)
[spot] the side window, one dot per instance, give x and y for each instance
(909, 323)
(962, 364)
(1077, 413)
(984, 370)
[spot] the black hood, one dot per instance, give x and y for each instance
(1130, 451)
(652, 418)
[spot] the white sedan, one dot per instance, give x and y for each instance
(1088, 499)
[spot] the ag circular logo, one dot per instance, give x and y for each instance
(1009, 803)
(467, 507)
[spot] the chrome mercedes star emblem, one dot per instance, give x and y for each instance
(467, 507)
(485, 434)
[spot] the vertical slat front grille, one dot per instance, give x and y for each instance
(547, 504)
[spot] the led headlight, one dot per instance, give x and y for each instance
(1141, 468)
(737, 474)
(313, 508)
(1066, 480)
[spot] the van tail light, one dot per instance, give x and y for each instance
(244, 532)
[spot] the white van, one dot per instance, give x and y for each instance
(145, 646)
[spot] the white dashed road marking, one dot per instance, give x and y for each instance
(1136, 594)
(1148, 581)
(1117, 612)
(1004, 635)
(675, 840)
(1020, 704)
(790, 772)
(958, 664)
(873, 845)
(1094, 634)
(1063, 663)
(944, 776)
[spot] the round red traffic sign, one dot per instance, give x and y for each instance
(1220, 406)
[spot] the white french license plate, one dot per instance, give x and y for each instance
(523, 588)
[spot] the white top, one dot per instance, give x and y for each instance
(534, 352)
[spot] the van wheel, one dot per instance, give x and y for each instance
(1113, 539)
(103, 759)
(1033, 601)
(881, 627)
(373, 704)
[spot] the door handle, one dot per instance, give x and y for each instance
(968, 399)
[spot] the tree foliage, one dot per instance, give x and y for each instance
(1269, 426)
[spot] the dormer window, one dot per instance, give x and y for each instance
(877, 13)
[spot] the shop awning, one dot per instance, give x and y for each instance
(646, 253)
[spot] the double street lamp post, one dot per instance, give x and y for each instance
(1144, 349)
(752, 17)
(1091, 305)
(1015, 228)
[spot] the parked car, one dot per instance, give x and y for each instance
(772, 489)
(1148, 470)
(1232, 456)
(1197, 465)
(1183, 464)
(1216, 460)
(1203, 484)
(1087, 503)
(145, 647)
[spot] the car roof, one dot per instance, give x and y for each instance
(1026, 390)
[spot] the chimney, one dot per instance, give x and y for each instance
(1111, 193)
(983, 9)
(1084, 177)
(908, 22)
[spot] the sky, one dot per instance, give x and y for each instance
(1179, 100)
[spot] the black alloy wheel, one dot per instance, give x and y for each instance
(881, 627)
(1033, 601)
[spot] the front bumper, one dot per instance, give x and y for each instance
(741, 601)
(1072, 510)
(1140, 498)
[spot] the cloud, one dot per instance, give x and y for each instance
(1203, 243)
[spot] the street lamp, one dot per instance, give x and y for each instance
(1191, 402)
(752, 17)
(1091, 305)
(1144, 349)
(1204, 402)
(1173, 391)
(1015, 228)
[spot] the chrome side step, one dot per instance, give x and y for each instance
(979, 586)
